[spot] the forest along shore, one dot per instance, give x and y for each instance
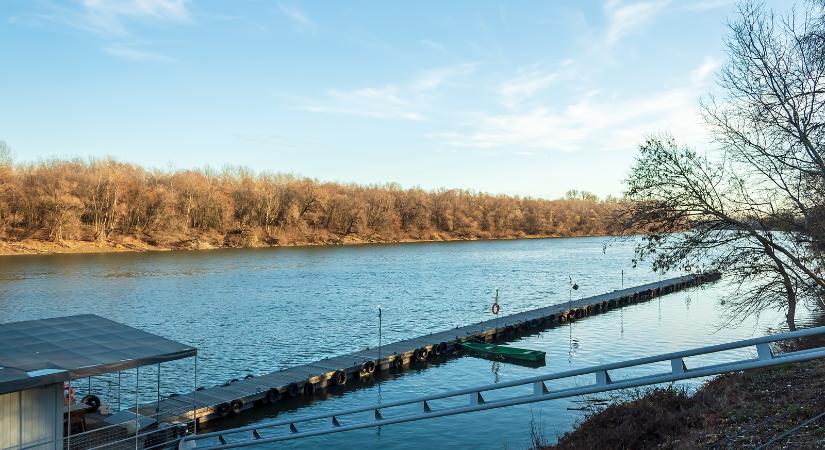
(75, 206)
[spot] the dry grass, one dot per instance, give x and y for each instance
(739, 410)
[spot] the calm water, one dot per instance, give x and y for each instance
(255, 311)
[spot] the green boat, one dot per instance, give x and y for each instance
(503, 351)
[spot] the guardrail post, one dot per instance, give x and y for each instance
(476, 398)
(335, 422)
(677, 365)
(764, 351)
(293, 428)
(426, 406)
(603, 378)
(539, 388)
(378, 415)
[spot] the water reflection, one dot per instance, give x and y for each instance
(256, 311)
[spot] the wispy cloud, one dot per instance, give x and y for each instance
(380, 103)
(113, 16)
(407, 101)
(432, 45)
(133, 53)
(704, 5)
(594, 119)
(530, 81)
(298, 17)
(435, 78)
(702, 73)
(623, 19)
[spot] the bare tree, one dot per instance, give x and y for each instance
(754, 207)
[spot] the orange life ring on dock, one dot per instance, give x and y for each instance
(495, 308)
(68, 394)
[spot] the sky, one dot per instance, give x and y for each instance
(521, 98)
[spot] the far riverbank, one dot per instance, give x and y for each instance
(206, 242)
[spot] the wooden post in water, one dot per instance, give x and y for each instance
(379, 336)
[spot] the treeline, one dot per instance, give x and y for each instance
(104, 200)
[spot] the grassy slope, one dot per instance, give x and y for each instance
(739, 410)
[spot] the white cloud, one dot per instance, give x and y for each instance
(530, 81)
(111, 16)
(298, 17)
(702, 73)
(382, 103)
(432, 44)
(626, 18)
(435, 78)
(704, 5)
(406, 102)
(593, 120)
(132, 53)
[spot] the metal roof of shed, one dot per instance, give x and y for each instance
(40, 352)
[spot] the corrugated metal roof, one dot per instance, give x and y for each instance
(40, 352)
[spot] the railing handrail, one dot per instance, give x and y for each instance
(759, 342)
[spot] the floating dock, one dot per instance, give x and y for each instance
(208, 404)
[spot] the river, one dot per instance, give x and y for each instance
(254, 311)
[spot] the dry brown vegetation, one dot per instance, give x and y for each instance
(740, 410)
(776, 407)
(59, 203)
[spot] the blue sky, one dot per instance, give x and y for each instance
(527, 98)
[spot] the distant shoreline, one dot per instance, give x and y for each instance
(128, 245)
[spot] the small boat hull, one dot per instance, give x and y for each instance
(503, 351)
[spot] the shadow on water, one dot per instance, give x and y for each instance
(266, 412)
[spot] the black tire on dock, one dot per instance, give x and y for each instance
(237, 406)
(339, 378)
(309, 389)
(200, 388)
(223, 410)
(367, 367)
(273, 396)
(423, 353)
(248, 376)
(440, 349)
(293, 389)
(92, 401)
(398, 362)
(230, 382)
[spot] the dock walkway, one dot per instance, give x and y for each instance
(233, 398)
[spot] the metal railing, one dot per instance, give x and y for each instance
(147, 431)
(425, 407)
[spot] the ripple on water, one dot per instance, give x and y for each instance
(256, 311)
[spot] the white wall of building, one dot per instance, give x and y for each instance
(32, 419)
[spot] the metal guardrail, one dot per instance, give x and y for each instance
(425, 409)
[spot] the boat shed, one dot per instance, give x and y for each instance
(38, 356)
